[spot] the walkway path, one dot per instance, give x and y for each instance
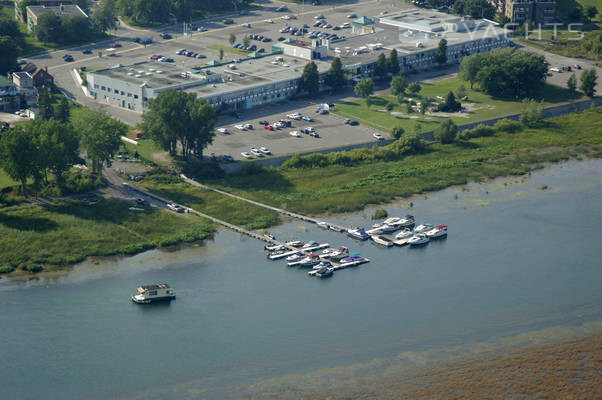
(278, 210)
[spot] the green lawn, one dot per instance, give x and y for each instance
(229, 49)
(484, 107)
(66, 233)
(343, 188)
(149, 151)
(5, 180)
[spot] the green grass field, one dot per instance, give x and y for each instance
(5, 180)
(484, 107)
(65, 233)
(341, 188)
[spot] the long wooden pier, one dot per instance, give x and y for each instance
(334, 227)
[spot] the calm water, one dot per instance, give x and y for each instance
(517, 258)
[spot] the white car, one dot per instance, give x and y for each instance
(269, 21)
(240, 127)
(223, 130)
(295, 133)
(307, 118)
(278, 125)
(295, 115)
(265, 150)
(174, 207)
(378, 136)
(246, 154)
(256, 152)
(319, 17)
(248, 126)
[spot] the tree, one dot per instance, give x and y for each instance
(10, 28)
(591, 11)
(399, 84)
(49, 28)
(57, 146)
(364, 88)
(531, 114)
(310, 79)
(397, 132)
(104, 15)
(9, 51)
(100, 137)
(474, 8)
(381, 66)
(469, 68)
(178, 119)
(461, 92)
(571, 83)
(45, 105)
(18, 155)
(450, 104)
(83, 4)
(232, 39)
(393, 62)
(62, 110)
(588, 82)
(75, 28)
(414, 88)
(246, 41)
(446, 131)
(335, 77)
(441, 56)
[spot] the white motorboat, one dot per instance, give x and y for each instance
(323, 264)
(310, 260)
(295, 257)
(358, 233)
(423, 228)
(418, 240)
(324, 272)
(406, 233)
(309, 244)
(338, 254)
(382, 240)
(153, 293)
(438, 232)
(404, 222)
(323, 225)
(294, 243)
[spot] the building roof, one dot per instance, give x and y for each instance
(363, 21)
(154, 287)
(22, 74)
(61, 11)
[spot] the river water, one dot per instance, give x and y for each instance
(519, 258)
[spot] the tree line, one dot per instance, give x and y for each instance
(51, 143)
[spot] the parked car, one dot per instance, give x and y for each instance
(116, 45)
(68, 57)
(319, 16)
(314, 134)
(378, 136)
(246, 25)
(350, 121)
(265, 150)
(228, 21)
(227, 158)
(307, 118)
(223, 130)
(263, 122)
(295, 134)
(282, 8)
(174, 207)
(246, 154)
(256, 152)
(240, 127)
(248, 126)
(165, 36)
(352, 15)
(268, 127)
(142, 202)
(202, 29)
(87, 51)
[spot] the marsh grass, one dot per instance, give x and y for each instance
(68, 232)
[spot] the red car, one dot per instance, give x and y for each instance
(116, 45)
(155, 57)
(268, 127)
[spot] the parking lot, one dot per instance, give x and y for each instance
(331, 129)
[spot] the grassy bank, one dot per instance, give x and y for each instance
(480, 107)
(343, 188)
(229, 49)
(35, 237)
(225, 208)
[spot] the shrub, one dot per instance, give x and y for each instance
(380, 214)
(203, 169)
(446, 131)
(532, 113)
(397, 132)
(450, 104)
(35, 268)
(477, 131)
(5, 269)
(507, 125)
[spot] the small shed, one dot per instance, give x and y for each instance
(362, 25)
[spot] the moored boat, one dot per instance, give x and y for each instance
(406, 233)
(309, 244)
(439, 232)
(295, 257)
(418, 240)
(423, 228)
(324, 272)
(323, 225)
(338, 254)
(381, 240)
(310, 260)
(352, 258)
(323, 264)
(154, 293)
(294, 243)
(358, 233)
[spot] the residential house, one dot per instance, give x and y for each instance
(24, 82)
(10, 99)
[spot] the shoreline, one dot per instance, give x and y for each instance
(505, 181)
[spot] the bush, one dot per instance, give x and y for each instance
(77, 181)
(5, 269)
(477, 131)
(398, 132)
(532, 114)
(35, 268)
(203, 169)
(380, 214)
(446, 131)
(450, 104)
(507, 125)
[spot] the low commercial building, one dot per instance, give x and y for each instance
(362, 26)
(62, 10)
(260, 80)
(48, 3)
(25, 84)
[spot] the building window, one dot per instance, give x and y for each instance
(135, 96)
(123, 93)
(95, 86)
(103, 88)
(129, 95)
